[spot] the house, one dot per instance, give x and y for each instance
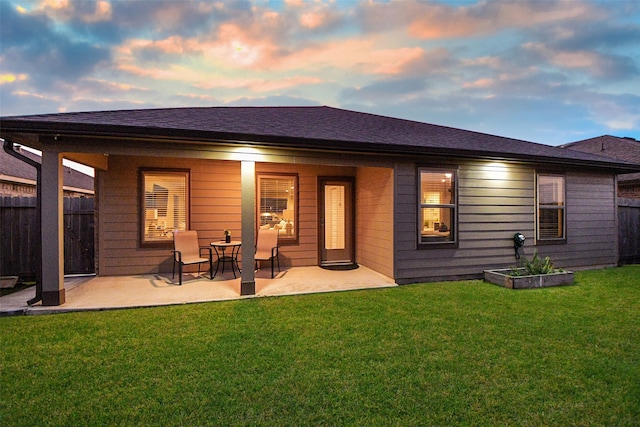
(412, 201)
(19, 254)
(626, 149)
(18, 179)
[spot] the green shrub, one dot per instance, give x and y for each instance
(535, 266)
(538, 266)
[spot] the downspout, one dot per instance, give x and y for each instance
(9, 149)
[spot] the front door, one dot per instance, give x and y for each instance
(336, 221)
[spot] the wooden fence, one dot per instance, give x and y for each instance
(18, 238)
(629, 230)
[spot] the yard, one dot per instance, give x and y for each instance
(455, 353)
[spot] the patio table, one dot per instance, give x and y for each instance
(220, 247)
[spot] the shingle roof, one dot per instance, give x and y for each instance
(12, 167)
(297, 127)
(625, 149)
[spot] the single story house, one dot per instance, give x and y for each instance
(412, 201)
(18, 179)
(626, 149)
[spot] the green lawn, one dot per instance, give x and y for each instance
(457, 353)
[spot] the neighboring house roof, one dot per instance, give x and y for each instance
(625, 149)
(12, 169)
(298, 127)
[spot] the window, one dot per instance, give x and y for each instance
(164, 201)
(437, 205)
(551, 208)
(278, 205)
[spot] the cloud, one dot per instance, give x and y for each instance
(393, 91)
(430, 20)
(32, 46)
(270, 101)
(11, 78)
(485, 65)
(362, 55)
(66, 10)
(617, 112)
(597, 64)
(259, 85)
(13, 102)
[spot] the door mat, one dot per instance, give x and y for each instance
(340, 267)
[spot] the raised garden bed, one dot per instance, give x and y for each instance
(8, 281)
(508, 279)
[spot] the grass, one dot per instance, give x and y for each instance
(458, 353)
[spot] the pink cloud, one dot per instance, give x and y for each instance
(170, 72)
(435, 21)
(360, 54)
(67, 10)
(319, 15)
(171, 45)
(592, 62)
(480, 83)
(259, 84)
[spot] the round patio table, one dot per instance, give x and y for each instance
(220, 247)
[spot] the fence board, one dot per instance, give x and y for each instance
(18, 238)
(629, 230)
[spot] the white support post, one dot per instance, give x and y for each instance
(248, 182)
(52, 223)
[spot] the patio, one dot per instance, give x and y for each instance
(116, 292)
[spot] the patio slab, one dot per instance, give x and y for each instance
(117, 292)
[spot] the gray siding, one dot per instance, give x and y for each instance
(496, 200)
(591, 223)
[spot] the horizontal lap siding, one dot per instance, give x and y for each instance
(305, 252)
(374, 219)
(591, 223)
(215, 206)
(494, 202)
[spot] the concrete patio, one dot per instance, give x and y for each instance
(117, 292)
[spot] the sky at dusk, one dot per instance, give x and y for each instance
(544, 71)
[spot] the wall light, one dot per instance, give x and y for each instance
(248, 154)
(496, 170)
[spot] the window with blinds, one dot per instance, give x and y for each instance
(437, 206)
(551, 207)
(165, 201)
(278, 204)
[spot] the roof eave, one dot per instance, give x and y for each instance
(12, 127)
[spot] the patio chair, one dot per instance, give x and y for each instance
(186, 251)
(267, 248)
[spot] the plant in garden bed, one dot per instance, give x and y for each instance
(537, 273)
(534, 267)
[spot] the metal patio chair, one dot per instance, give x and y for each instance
(267, 248)
(187, 251)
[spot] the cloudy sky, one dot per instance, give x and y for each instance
(542, 70)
